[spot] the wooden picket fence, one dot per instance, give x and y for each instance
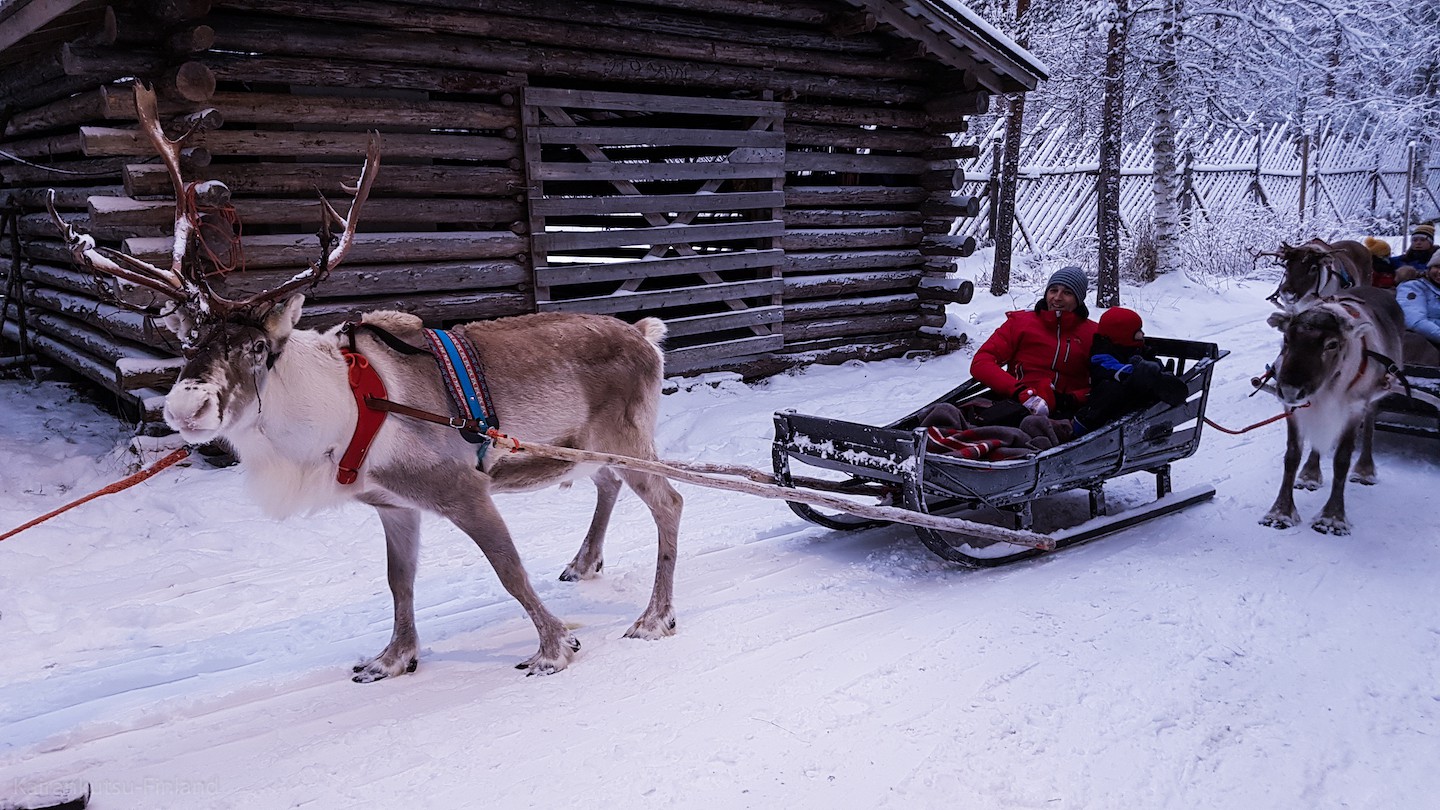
(1335, 175)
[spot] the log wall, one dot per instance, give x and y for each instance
(292, 86)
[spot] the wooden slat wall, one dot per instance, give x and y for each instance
(706, 260)
(297, 83)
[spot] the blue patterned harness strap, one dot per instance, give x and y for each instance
(465, 380)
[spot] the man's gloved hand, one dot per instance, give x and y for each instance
(1033, 402)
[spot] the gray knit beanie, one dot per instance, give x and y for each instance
(1071, 278)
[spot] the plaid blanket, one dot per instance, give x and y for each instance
(963, 443)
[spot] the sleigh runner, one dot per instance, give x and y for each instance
(897, 459)
(1417, 414)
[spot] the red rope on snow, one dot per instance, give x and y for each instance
(1249, 428)
(124, 483)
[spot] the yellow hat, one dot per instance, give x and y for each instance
(1379, 247)
(1426, 229)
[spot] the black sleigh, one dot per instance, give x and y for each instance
(893, 462)
(1416, 414)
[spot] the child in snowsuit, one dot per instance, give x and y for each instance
(1125, 376)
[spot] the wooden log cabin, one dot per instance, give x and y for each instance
(774, 178)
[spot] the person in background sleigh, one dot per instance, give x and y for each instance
(1382, 273)
(1125, 375)
(1038, 358)
(1420, 301)
(1411, 264)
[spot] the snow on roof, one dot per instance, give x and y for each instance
(961, 38)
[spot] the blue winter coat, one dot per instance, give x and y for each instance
(1417, 259)
(1420, 301)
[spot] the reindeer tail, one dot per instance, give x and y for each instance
(653, 329)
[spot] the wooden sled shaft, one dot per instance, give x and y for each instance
(753, 486)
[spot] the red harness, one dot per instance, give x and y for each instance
(364, 384)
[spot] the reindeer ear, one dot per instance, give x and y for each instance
(1280, 320)
(282, 319)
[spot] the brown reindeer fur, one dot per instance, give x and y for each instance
(1325, 376)
(583, 381)
(1315, 268)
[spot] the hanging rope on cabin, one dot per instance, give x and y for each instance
(217, 230)
(54, 169)
(124, 483)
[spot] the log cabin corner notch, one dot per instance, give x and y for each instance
(773, 178)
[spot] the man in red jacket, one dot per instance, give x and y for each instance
(1041, 357)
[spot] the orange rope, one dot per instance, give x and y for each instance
(115, 487)
(1263, 423)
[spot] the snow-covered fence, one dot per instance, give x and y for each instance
(1347, 176)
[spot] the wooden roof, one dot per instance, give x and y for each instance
(947, 29)
(962, 39)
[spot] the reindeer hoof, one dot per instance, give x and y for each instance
(374, 670)
(1368, 479)
(1308, 484)
(574, 572)
(1280, 520)
(1331, 525)
(541, 664)
(381, 667)
(652, 628)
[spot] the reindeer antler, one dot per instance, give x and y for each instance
(330, 256)
(184, 282)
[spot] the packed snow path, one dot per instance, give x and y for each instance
(176, 650)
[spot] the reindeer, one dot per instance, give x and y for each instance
(1318, 268)
(1334, 363)
(281, 397)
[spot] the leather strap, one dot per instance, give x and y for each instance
(456, 422)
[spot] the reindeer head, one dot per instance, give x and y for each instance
(230, 343)
(1321, 344)
(1309, 272)
(222, 383)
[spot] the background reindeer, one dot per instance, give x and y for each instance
(281, 397)
(1335, 362)
(1319, 268)
(1313, 270)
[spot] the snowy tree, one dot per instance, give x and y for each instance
(1009, 169)
(1357, 69)
(1107, 283)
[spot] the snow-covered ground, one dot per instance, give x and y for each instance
(175, 649)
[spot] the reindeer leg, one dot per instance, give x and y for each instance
(590, 559)
(1282, 514)
(477, 516)
(1365, 467)
(402, 553)
(1332, 516)
(1310, 476)
(665, 505)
